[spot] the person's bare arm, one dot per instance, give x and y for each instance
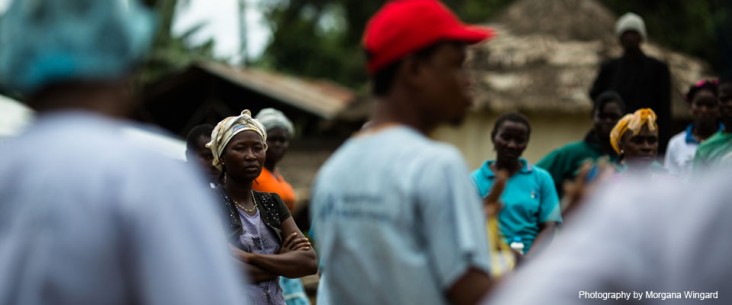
(470, 288)
(257, 274)
(254, 273)
(292, 264)
(492, 204)
(575, 192)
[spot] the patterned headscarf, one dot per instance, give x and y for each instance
(273, 118)
(228, 128)
(45, 42)
(633, 122)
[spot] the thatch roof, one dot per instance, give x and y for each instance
(547, 54)
(560, 19)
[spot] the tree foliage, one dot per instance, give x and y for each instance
(321, 38)
(171, 52)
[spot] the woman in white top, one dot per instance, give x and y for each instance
(702, 99)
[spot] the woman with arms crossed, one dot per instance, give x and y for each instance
(263, 235)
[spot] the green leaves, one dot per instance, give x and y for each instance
(322, 38)
(172, 53)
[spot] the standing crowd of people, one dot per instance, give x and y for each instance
(397, 218)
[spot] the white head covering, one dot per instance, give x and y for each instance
(228, 128)
(49, 41)
(272, 118)
(630, 22)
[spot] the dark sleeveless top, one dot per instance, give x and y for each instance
(271, 209)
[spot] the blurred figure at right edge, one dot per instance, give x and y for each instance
(657, 243)
(718, 148)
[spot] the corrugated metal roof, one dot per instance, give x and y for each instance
(322, 98)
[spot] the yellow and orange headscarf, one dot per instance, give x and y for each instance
(633, 122)
(228, 128)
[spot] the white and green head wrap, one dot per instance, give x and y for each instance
(228, 128)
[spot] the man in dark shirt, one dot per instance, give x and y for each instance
(642, 81)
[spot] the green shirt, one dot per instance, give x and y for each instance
(714, 150)
(564, 162)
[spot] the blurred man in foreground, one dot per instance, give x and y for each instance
(88, 216)
(394, 213)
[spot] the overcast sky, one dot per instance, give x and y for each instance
(222, 24)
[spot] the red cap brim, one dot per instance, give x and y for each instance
(470, 34)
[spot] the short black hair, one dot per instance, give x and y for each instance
(383, 80)
(605, 98)
(511, 117)
(196, 133)
(712, 86)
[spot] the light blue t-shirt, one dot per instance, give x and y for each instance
(397, 221)
(529, 198)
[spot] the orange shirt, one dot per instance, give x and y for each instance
(274, 183)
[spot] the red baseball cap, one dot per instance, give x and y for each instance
(401, 27)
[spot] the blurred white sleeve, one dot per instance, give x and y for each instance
(176, 249)
(598, 250)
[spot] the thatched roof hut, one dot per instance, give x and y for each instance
(547, 53)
